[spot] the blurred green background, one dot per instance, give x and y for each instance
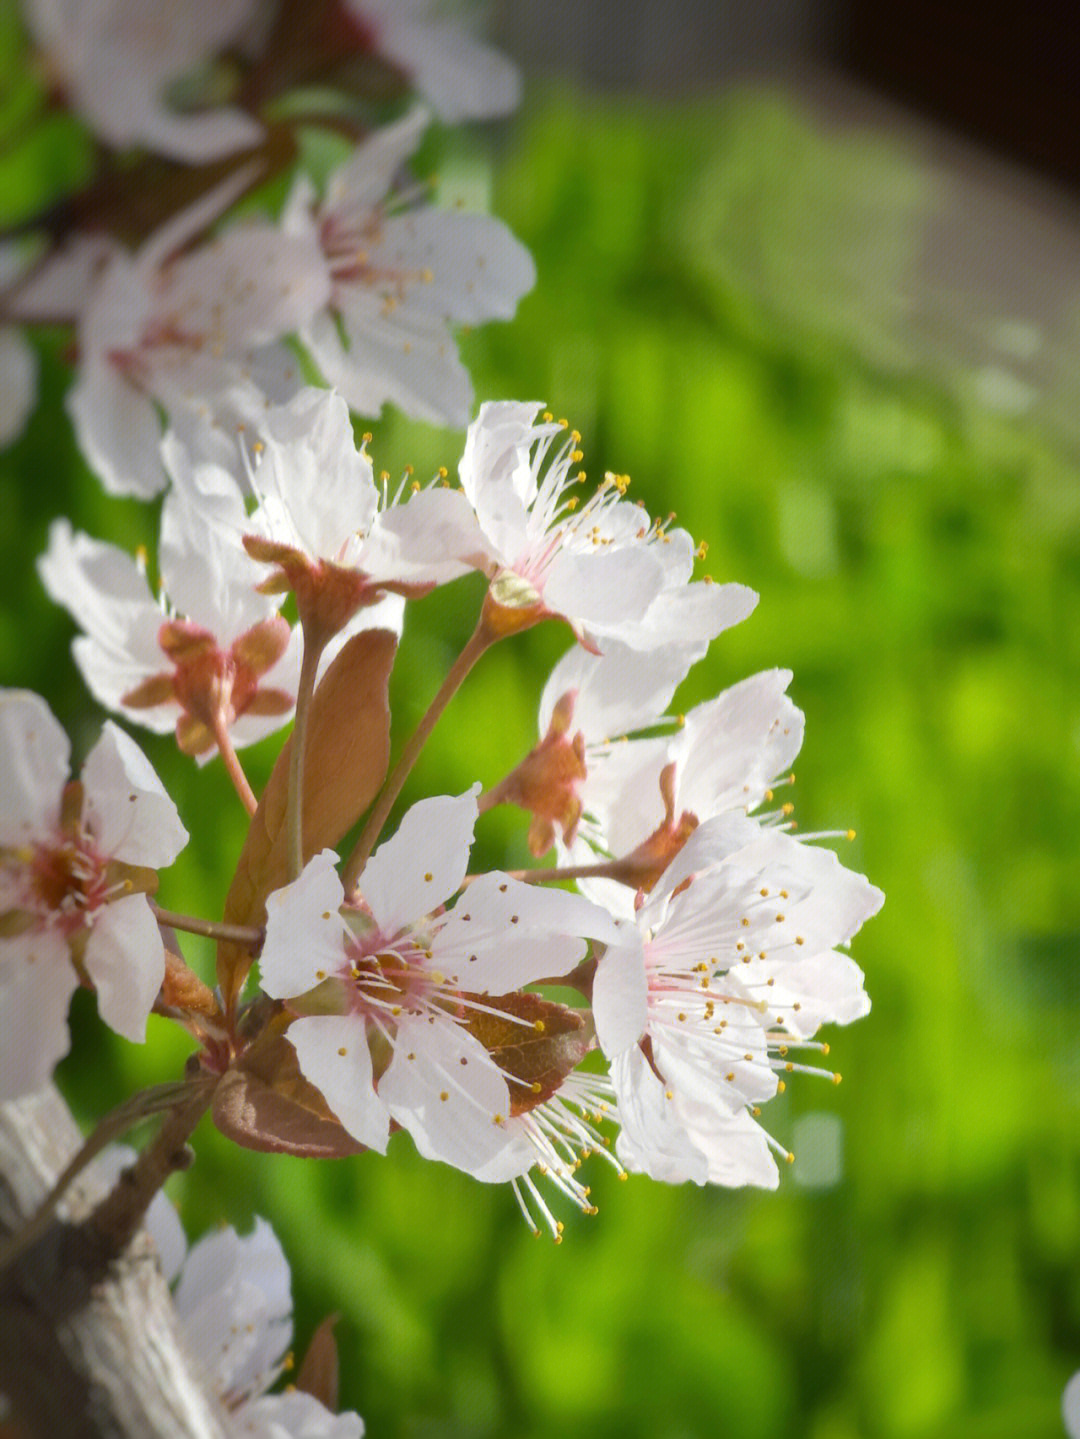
(918, 1272)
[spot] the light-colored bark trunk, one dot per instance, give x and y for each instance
(89, 1343)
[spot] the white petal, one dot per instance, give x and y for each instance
(304, 931)
(423, 864)
(37, 981)
(430, 540)
(234, 1302)
(125, 957)
(131, 816)
(453, 1110)
(118, 430)
(732, 748)
(516, 934)
(620, 994)
(652, 1139)
(293, 1415)
(34, 753)
(617, 692)
(611, 588)
(334, 1055)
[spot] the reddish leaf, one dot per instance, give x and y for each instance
(265, 1103)
(537, 1055)
(318, 1373)
(348, 750)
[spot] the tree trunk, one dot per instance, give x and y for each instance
(89, 1342)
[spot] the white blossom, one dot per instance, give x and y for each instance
(603, 565)
(726, 970)
(114, 61)
(196, 333)
(401, 274)
(323, 523)
(73, 871)
(386, 991)
(233, 1300)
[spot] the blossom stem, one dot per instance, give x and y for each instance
(116, 1123)
(248, 935)
(294, 810)
(608, 869)
(233, 767)
(480, 640)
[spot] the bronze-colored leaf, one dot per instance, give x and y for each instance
(538, 1055)
(318, 1372)
(265, 1103)
(348, 749)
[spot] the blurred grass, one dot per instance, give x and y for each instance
(919, 569)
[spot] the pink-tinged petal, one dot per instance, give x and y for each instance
(496, 460)
(620, 994)
(320, 484)
(454, 1110)
(34, 753)
(125, 958)
(127, 809)
(712, 842)
(334, 1056)
(304, 931)
(199, 139)
(423, 864)
(37, 981)
(356, 187)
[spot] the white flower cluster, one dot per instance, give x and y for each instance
(368, 277)
(704, 934)
(398, 989)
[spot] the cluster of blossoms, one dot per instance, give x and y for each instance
(703, 934)
(172, 313)
(392, 987)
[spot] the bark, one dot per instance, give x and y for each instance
(90, 1347)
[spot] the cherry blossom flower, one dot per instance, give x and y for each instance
(76, 861)
(589, 703)
(386, 991)
(322, 523)
(114, 61)
(195, 333)
(728, 967)
(460, 76)
(603, 566)
(640, 798)
(401, 273)
(212, 652)
(233, 1300)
